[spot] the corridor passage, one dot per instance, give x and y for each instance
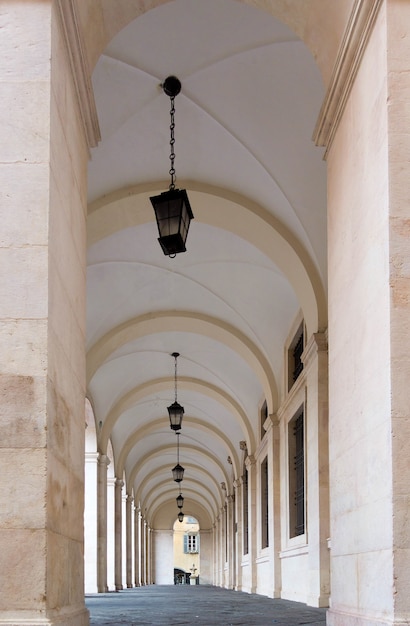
(166, 605)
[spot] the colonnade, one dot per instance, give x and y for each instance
(237, 556)
(120, 554)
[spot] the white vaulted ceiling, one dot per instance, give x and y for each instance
(256, 250)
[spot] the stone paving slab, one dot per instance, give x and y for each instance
(199, 605)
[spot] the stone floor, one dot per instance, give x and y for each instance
(161, 605)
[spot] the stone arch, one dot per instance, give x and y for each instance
(320, 30)
(229, 211)
(160, 495)
(194, 422)
(133, 474)
(186, 321)
(132, 397)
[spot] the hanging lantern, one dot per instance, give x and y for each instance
(175, 410)
(172, 209)
(178, 470)
(180, 501)
(180, 516)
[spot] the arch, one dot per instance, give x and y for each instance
(305, 19)
(158, 451)
(153, 386)
(164, 517)
(185, 321)
(158, 495)
(229, 211)
(196, 423)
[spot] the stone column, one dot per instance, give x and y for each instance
(398, 63)
(239, 534)
(149, 554)
(103, 462)
(251, 467)
(369, 338)
(129, 502)
(118, 533)
(218, 581)
(273, 434)
(315, 363)
(91, 523)
(143, 551)
(230, 503)
(111, 532)
(222, 545)
(137, 547)
(43, 177)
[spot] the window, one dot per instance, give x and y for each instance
(191, 544)
(264, 504)
(245, 513)
(263, 417)
(295, 365)
(296, 475)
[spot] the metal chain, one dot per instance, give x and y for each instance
(172, 154)
(175, 380)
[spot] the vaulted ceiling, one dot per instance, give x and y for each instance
(256, 249)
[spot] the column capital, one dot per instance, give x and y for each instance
(249, 461)
(119, 483)
(237, 483)
(317, 343)
(103, 459)
(130, 498)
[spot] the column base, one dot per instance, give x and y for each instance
(339, 618)
(32, 618)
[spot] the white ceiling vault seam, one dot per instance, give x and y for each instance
(256, 249)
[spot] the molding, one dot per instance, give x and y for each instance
(355, 38)
(80, 71)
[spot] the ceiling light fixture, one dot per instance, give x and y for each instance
(175, 410)
(180, 500)
(178, 470)
(172, 209)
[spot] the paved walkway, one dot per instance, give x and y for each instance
(184, 605)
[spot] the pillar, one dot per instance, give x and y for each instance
(143, 552)
(273, 436)
(230, 503)
(118, 533)
(315, 363)
(137, 547)
(103, 462)
(398, 64)
(43, 169)
(91, 523)
(111, 532)
(129, 528)
(251, 467)
(239, 533)
(369, 337)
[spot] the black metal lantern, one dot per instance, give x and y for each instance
(180, 501)
(175, 410)
(178, 473)
(178, 470)
(172, 209)
(180, 516)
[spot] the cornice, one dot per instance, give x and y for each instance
(80, 71)
(357, 33)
